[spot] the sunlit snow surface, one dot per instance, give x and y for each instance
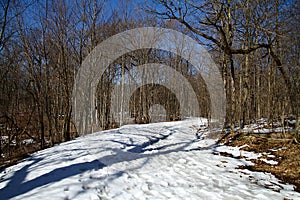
(155, 161)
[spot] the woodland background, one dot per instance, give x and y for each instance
(256, 44)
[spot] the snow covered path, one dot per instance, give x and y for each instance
(155, 161)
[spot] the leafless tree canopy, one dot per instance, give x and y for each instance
(255, 43)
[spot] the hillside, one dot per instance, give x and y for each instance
(154, 161)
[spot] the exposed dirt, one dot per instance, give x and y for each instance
(16, 154)
(279, 147)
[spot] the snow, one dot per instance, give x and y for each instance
(271, 162)
(262, 126)
(292, 121)
(279, 149)
(4, 137)
(155, 161)
(28, 141)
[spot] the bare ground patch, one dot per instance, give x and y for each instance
(274, 146)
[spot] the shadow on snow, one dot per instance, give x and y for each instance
(16, 185)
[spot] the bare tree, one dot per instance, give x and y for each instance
(228, 25)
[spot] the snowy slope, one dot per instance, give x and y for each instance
(155, 161)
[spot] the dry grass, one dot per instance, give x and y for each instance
(16, 154)
(284, 148)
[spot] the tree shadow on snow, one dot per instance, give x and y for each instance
(18, 186)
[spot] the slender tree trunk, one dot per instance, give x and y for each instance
(258, 93)
(42, 127)
(122, 91)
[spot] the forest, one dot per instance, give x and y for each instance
(254, 43)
